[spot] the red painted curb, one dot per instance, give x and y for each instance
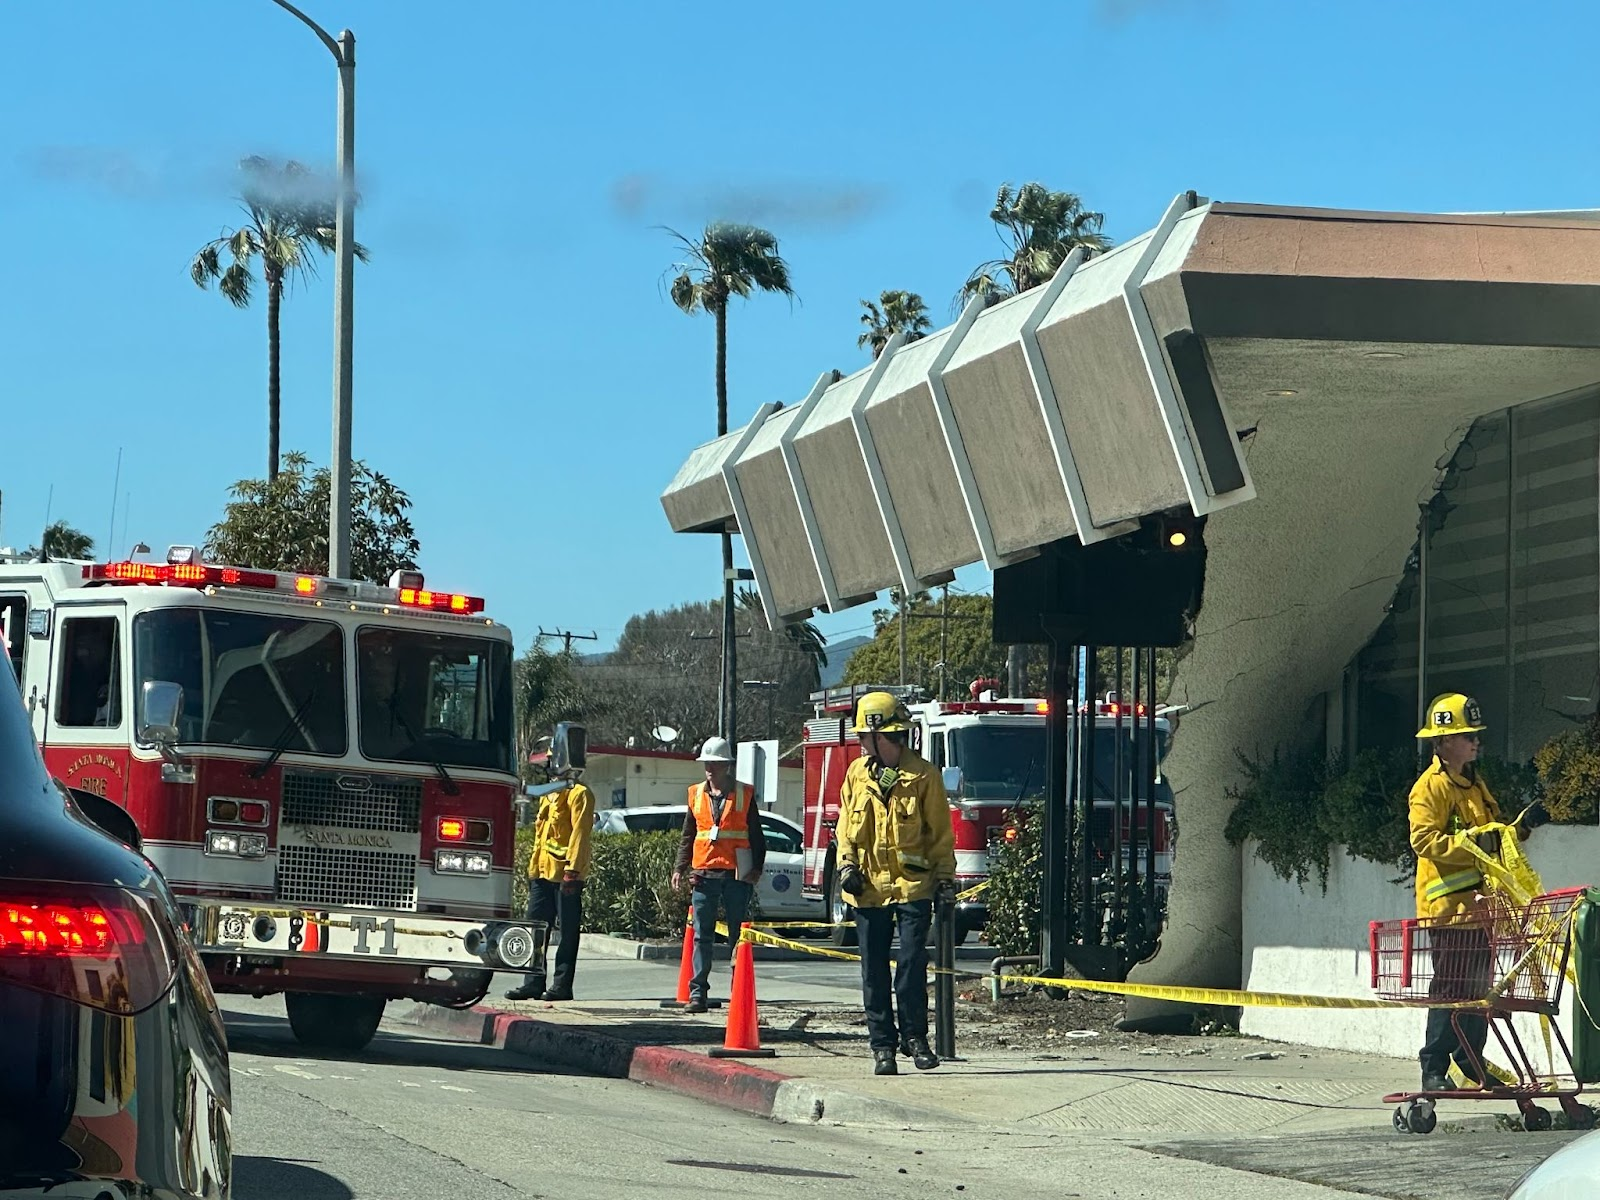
(728, 1083)
(719, 1080)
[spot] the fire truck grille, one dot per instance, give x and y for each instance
(350, 801)
(337, 876)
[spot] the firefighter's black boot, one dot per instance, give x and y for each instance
(531, 988)
(917, 1050)
(883, 1063)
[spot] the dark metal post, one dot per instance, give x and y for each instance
(1150, 796)
(1088, 927)
(1056, 810)
(944, 981)
(1119, 772)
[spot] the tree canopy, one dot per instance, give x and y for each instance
(282, 525)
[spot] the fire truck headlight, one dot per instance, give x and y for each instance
(478, 864)
(252, 845)
(451, 862)
(221, 842)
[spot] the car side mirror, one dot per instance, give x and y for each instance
(107, 815)
(569, 748)
(160, 705)
(953, 780)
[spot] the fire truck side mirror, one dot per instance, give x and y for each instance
(953, 780)
(569, 748)
(160, 704)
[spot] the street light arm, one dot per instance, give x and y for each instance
(333, 46)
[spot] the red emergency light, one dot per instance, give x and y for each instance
(181, 574)
(440, 601)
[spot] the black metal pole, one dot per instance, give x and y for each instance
(944, 982)
(1119, 763)
(1150, 796)
(1056, 812)
(1088, 927)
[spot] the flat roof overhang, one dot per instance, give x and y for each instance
(1132, 384)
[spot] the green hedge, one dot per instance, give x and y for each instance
(629, 889)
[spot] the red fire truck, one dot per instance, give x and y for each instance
(322, 769)
(997, 745)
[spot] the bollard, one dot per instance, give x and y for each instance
(944, 980)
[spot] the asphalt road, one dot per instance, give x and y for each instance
(413, 1118)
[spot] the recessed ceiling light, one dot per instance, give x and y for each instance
(1382, 354)
(1283, 392)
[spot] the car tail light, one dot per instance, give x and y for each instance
(101, 947)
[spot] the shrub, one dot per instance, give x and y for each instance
(1568, 767)
(629, 889)
(1015, 870)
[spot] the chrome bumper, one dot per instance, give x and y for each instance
(363, 935)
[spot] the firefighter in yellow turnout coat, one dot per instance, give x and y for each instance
(895, 855)
(1447, 802)
(562, 842)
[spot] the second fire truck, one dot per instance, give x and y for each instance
(322, 769)
(998, 745)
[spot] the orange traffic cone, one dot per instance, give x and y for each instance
(743, 1039)
(685, 964)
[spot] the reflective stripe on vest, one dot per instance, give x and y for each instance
(555, 849)
(1456, 881)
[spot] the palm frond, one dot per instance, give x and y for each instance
(686, 293)
(235, 284)
(205, 266)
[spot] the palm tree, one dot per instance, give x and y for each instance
(728, 260)
(902, 312)
(62, 541)
(1039, 228)
(291, 216)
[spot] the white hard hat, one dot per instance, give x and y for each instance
(716, 749)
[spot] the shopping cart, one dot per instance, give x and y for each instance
(1496, 962)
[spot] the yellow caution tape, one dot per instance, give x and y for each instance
(1212, 997)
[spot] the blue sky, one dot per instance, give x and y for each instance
(518, 367)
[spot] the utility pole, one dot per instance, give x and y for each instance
(944, 637)
(344, 235)
(568, 636)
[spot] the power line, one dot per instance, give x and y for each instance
(568, 636)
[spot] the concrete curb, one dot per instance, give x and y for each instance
(604, 945)
(726, 1082)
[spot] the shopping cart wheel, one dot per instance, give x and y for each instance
(1401, 1125)
(1421, 1118)
(1583, 1117)
(1535, 1119)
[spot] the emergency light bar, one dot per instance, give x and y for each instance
(199, 575)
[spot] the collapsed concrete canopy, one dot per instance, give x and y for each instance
(1319, 363)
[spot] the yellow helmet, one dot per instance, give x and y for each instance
(1452, 713)
(880, 712)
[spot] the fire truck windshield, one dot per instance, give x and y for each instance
(434, 698)
(248, 679)
(1006, 762)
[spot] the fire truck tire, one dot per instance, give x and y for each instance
(843, 931)
(342, 1023)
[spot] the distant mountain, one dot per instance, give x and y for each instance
(838, 655)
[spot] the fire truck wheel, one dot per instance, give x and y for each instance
(342, 1023)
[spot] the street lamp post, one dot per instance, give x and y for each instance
(344, 53)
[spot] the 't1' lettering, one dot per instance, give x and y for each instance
(361, 926)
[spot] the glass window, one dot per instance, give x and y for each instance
(654, 822)
(1555, 571)
(248, 679)
(434, 698)
(1006, 762)
(14, 630)
(936, 749)
(780, 838)
(89, 690)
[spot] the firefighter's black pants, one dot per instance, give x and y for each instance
(876, 928)
(1462, 970)
(550, 903)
